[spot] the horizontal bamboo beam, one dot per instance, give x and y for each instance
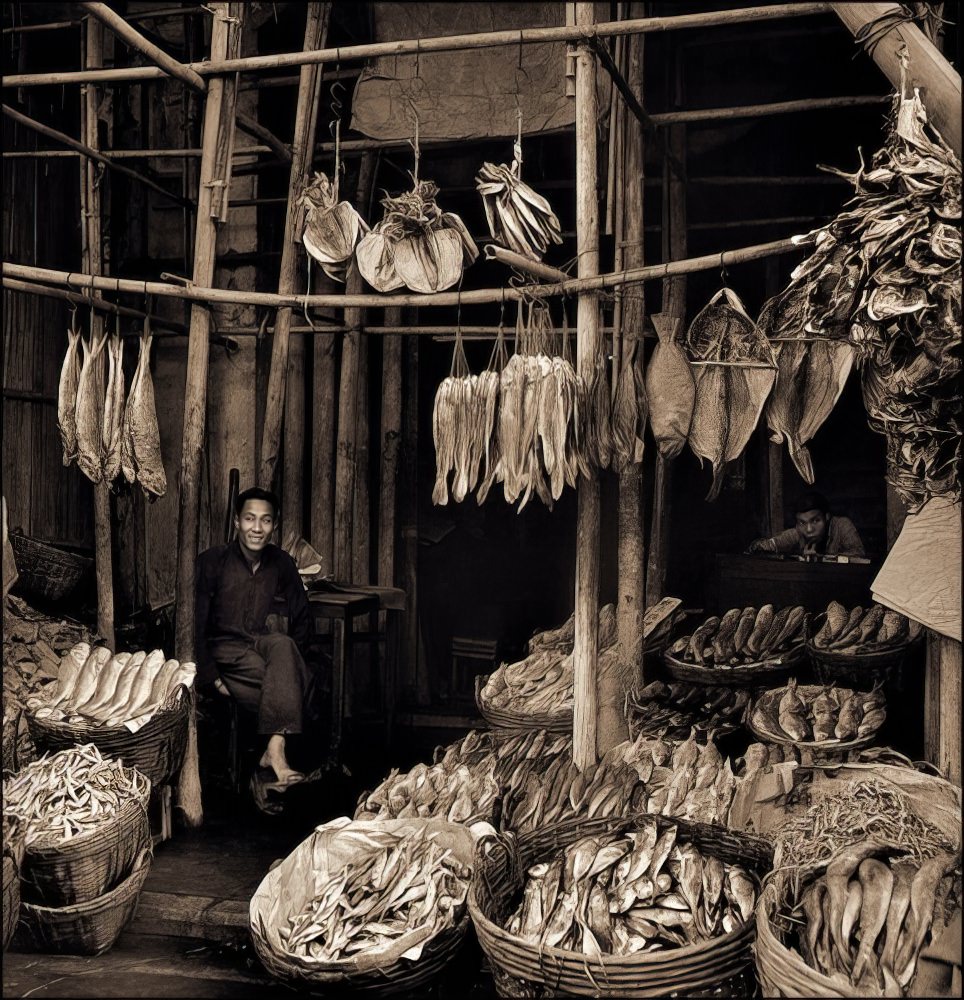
(92, 154)
(765, 110)
(423, 46)
(291, 80)
(532, 267)
(128, 154)
(726, 258)
(23, 29)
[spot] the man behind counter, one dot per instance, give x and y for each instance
(817, 532)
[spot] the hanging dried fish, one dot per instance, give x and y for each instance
(89, 415)
(114, 409)
(67, 396)
(670, 389)
(629, 411)
(141, 459)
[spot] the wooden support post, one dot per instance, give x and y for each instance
(323, 414)
(588, 346)
(773, 452)
(896, 512)
(631, 594)
(927, 68)
(361, 547)
(93, 261)
(227, 23)
(408, 519)
(316, 30)
(942, 705)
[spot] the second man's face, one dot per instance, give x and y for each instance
(812, 525)
(255, 524)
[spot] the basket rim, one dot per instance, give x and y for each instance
(835, 746)
(501, 718)
(87, 730)
(19, 539)
(787, 659)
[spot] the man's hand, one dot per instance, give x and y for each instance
(221, 688)
(763, 545)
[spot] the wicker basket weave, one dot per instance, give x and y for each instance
(12, 860)
(765, 673)
(501, 718)
(497, 882)
(857, 670)
(90, 864)
(45, 571)
(156, 750)
(89, 928)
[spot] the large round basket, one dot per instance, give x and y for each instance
(86, 866)
(12, 859)
(89, 928)
(47, 572)
(501, 718)
(156, 749)
(857, 670)
(762, 674)
(827, 752)
(497, 884)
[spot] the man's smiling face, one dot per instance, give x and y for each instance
(254, 525)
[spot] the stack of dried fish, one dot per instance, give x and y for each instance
(743, 636)
(813, 714)
(416, 245)
(518, 218)
(636, 892)
(886, 274)
(69, 793)
(332, 227)
(862, 632)
(811, 373)
(407, 882)
(734, 370)
(671, 711)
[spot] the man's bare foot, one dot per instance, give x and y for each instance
(274, 757)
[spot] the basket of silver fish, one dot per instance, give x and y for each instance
(745, 647)
(825, 724)
(635, 906)
(84, 821)
(375, 907)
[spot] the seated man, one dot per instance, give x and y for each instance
(238, 586)
(816, 532)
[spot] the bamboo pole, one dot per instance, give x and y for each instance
(447, 43)
(631, 593)
(588, 345)
(391, 423)
(316, 30)
(216, 108)
(90, 153)
(927, 68)
(201, 293)
(534, 268)
(323, 444)
(361, 541)
(766, 110)
(94, 261)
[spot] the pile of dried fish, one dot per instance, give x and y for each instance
(670, 389)
(332, 227)
(743, 636)
(636, 892)
(69, 793)
(671, 711)
(814, 714)
(518, 218)
(862, 632)
(408, 881)
(542, 683)
(886, 274)
(99, 687)
(416, 245)
(760, 755)
(734, 371)
(811, 373)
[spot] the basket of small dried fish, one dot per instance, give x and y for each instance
(628, 907)
(88, 928)
(823, 723)
(862, 881)
(12, 860)
(84, 823)
(859, 647)
(375, 907)
(745, 647)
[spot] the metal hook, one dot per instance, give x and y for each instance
(724, 274)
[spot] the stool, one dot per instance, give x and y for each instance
(467, 656)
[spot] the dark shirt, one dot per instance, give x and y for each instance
(232, 604)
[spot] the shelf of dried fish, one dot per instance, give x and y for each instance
(621, 907)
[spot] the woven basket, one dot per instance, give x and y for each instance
(156, 750)
(498, 880)
(89, 928)
(762, 674)
(827, 752)
(857, 670)
(500, 718)
(90, 864)
(45, 571)
(12, 859)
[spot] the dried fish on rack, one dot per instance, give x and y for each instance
(89, 413)
(67, 396)
(670, 389)
(141, 459)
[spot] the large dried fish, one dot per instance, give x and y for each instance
(141, 459)
(90, 409)
(114, 409)
(670, 389)
(67, 397)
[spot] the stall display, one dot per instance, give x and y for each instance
(673, 710)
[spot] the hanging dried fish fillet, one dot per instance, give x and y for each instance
(629, 412)
(89, 415)
(141, 459)
(114, 409)
(670, 389)
(67, 397)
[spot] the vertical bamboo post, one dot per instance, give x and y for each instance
(94, 263)
(323, 443)
(942, 705)
(361, 549)
(391, 425)
(195, 388)
(632, 549)
(316, 30)
(408, 518)
(345, 455)
(587, 348)
(673, 303)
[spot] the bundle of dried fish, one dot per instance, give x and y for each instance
(744, 635)
(734, 371)
(620, 894)
(670, 389)
(818, 716)
(518, 218)
(114, 409)
(89, 413)
(141, 459)
(416, 245)
(860, 632)
(811, 374)
(69, 793)
(671, 711)
(332, 227)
